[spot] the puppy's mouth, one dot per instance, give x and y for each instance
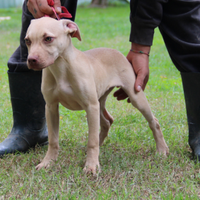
(36, 67)
(34, 62)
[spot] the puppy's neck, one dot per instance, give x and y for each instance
(67, 64)
(71, 55)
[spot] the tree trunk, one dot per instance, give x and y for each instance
(99, 3)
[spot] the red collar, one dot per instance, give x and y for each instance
(65, 13)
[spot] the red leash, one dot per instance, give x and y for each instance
(61, 15)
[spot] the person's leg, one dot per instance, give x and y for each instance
(29, 123)
(71, 7)
(180, 29)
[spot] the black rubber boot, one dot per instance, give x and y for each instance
(191, 86)
(28, 106)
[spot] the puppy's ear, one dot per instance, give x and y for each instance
(71, 28)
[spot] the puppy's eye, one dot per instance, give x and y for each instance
(48, 39)
(28, 42)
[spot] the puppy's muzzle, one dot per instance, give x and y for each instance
(33, 63)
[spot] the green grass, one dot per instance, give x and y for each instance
(131, 169)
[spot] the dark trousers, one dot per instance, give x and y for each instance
(180, 28)
(17, 62)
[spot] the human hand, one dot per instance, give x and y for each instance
(39, 8)
(140, 64)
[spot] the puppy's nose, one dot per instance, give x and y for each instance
(33, 60)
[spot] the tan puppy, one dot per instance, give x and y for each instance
(81, 81)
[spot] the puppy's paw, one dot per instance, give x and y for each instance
(44, 164)
(52, 155)
(163, 149)
(92, 169)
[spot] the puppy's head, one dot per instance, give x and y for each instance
(46, 40)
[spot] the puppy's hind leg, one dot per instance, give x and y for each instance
(139, 101)
(106, 119)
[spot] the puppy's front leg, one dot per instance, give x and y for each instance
(52, 116)
(92, 160)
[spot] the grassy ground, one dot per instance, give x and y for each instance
(130, 167)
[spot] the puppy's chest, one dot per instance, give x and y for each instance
(67, 97)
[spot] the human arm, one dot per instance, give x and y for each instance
(39, 8)
(138, 56)
(140, 64)
(145, 16)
